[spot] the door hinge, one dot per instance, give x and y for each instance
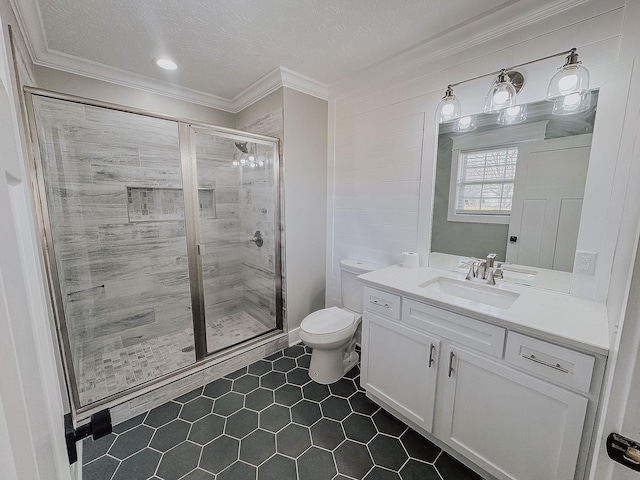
(98, 427)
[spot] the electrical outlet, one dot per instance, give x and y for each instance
(586, 262)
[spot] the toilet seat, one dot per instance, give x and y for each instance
(328, 321)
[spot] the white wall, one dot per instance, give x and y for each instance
(305, 167)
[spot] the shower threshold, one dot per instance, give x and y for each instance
(114, 371)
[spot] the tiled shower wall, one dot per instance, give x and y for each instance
(122, 282)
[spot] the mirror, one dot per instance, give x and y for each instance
(514, 189)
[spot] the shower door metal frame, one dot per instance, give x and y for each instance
(187, 129)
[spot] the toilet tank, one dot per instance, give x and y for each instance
(352, 288)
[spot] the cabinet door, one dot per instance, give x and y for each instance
(513, 425)
(399, 366)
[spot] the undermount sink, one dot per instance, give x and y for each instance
(472, 292)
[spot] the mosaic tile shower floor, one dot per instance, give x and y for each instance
(117, 369)
(269, 421)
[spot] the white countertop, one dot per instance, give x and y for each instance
(550, 315)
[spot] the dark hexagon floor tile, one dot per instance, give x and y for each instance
(294, 351)
(187, 397)
(141, 465)
(359, 427)
(451, 469)
(129, 424)
(259, 399)
(246, 383)
(238, 373)
(274, 417)
(381, 474)
(100, 469)
(327, 434)
(179, 461)
(218, 388)
(241, 423)
(284, 364)
(92, 449)
(343, 388)
(274, 356)
(386, 423)
(206, 429)
(419, 447)
(256, 447)
(260, 367)
(361, 404)
(304, 361)
(196, 409)
(288, 394)
(278, 468)
(335, 407)
(238, 471)
(353, 459)
(316, 464)
(170, 435)
(163, 414)
(315, 391)
(298, 376)
(130, 442)
(198, 474)
(353, 373)
(293, 440)
(273, 380)
(387, 452)
(219, 454)
(305, 413)
(229, 403)
(415, 470)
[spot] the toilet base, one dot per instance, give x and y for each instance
(329, 366)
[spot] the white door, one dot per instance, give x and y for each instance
(515, 426)
(399, 366)
(547, 202)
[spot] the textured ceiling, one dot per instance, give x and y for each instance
(224, 46)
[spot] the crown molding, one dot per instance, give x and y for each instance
(30, 24)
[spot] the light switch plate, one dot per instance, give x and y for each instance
(586, 262)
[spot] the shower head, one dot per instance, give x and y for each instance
(242, 146)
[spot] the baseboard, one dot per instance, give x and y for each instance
(294, 336)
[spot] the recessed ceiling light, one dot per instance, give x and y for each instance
(166, 63)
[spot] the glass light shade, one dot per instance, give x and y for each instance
(572, 78)
(572, 103)
(512, 115)
(465, 124)
(502, 95)
(449, 107)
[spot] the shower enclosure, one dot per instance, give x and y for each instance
(161, 238)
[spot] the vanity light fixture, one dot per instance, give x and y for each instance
(568, 89)
(512, 115)
(465, 124)
(449, 107)
(165, 63)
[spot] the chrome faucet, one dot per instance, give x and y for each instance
(491, 258)
(484, 269)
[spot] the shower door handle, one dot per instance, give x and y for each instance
(201, 249)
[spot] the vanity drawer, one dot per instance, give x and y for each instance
(382, 303)
(462, 330)
(560, 364)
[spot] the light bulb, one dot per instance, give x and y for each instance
(166, 63)
(251, 158)
(568, 83)
(572, 101)
(500, 97)
(447, 110)
(243, 161)
(235, 163)
(464, 122)
(261, 163)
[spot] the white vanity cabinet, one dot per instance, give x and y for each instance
(519, 407)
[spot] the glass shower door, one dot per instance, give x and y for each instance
(239, 237)
(110, 184)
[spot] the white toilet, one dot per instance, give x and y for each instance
(330, 332)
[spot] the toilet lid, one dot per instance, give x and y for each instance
(328, 320)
